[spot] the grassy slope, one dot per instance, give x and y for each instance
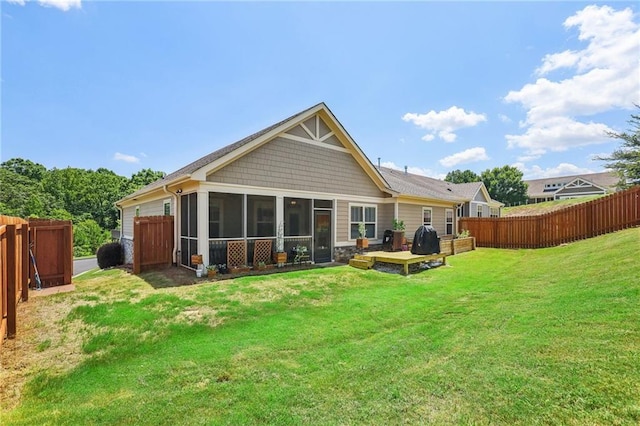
(514, 337)
(545, 207)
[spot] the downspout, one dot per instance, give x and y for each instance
(121, 219)
(174, 253)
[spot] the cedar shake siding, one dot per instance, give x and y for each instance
(286, 164)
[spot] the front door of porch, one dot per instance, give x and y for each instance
(322, 236)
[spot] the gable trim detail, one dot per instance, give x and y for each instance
(314, 142)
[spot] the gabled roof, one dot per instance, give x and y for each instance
(536, 187)
(234, 150)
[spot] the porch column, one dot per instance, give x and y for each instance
(203, 226)
(279, 210)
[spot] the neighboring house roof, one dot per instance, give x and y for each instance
(200, 166)
(539, 188)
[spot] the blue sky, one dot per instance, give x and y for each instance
(432, 86)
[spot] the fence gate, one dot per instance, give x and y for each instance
(153, 239)
(52, 245)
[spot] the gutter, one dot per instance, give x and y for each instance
(174, 253)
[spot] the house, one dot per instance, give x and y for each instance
(305, 175)
(575, 186)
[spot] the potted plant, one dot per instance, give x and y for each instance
(362, 242)
(398, 234)
(212, 270)
(281, 255)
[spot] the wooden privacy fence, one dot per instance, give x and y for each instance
(152, 242)
(51, 242)
(603, 215)
(14, 271)
(52, 245)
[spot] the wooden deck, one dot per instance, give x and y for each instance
(404, 258)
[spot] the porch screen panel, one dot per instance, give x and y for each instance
(297, 217)
(261, 216)
(226, 215)
(188, 228)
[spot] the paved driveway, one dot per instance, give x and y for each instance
(84, 265)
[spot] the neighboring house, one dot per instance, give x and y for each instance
(562, 187)
(304, 172)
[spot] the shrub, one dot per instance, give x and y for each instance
(109, 255)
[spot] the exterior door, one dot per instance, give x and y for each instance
(322, 236)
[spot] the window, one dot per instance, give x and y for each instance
(297, 217)
(137, 211)
(495, 212)
(448, 221)
(166, 207)
(261, 216)
(460, 210)
(479, 210)
(427, 216)
(366, 214)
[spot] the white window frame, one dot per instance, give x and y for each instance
(137, 211)
(494, 212)
(166, 203)
(430, 209)
(363, 207)
(447, 222)
(479, 210)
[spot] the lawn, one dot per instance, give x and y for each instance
(545, 207)
(548, 336)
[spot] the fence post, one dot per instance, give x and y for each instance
(137, 246)
(11, 281)
(26, 260)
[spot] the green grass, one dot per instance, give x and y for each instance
(545, 207)
(549, 336)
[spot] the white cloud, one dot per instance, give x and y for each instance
(415, 170)
(504, 118)
(605, 78)
(126, 158)
(562, 169)
(559, 134)
(470, 155)
(527, 158)
(62, 4)
(444, 123)
(19, 2)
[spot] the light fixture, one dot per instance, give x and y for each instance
(179, 191)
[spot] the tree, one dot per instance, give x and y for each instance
(143, 178)
(459, 176)
(505, 185)
(625, 161)
(27, 168)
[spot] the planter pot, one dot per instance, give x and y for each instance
(398, 240)
(362, 243)
(238, 270)
(280, 258)
(211, 274)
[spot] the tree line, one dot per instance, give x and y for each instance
(84, 196)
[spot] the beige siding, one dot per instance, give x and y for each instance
(412, 216)
(342, 221)
(333, 141)
(324, 129)
(298, 131)
(579, 191)
(152, 208)
(385, 218)
(287, 164)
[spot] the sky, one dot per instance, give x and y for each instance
(432, 86)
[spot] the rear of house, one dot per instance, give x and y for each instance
(303, 177)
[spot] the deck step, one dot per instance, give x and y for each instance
(361, 257)
(361, 263)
